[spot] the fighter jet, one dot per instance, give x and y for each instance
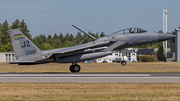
(27, 53)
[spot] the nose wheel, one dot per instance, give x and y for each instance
(123, 63)
(75, 68)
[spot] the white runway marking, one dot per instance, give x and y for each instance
(72, 75)
(89, 77)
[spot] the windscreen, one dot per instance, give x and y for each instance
(130, 31)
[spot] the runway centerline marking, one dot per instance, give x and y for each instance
(74, 75)
(89, 77)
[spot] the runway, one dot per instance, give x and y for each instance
(89, 77)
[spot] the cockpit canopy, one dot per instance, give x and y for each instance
(130, 31)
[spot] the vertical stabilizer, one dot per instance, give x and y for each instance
(22, 46)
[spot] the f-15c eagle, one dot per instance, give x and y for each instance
(27, 53)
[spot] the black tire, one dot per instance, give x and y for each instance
(76, 68)
(71, 68)
(123, 63)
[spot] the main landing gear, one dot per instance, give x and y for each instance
(74, 68)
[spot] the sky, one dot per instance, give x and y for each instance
(108, 16)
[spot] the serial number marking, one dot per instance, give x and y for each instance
(29, 52)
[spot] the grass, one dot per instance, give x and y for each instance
(94, 67)
(68, 92)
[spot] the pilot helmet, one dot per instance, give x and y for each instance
(131, 30)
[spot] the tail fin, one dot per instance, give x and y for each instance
(22, 46)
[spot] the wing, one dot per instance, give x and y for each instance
(88, 47)
(84, 48)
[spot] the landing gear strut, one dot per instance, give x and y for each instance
(74, 68)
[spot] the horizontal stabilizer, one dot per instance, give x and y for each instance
(15, 62)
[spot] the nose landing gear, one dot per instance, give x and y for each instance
(123, 63)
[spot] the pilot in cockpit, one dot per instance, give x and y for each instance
(132, 30)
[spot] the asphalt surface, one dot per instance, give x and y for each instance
(89, 77)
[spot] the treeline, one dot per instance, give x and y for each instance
(5, 42)
(44, 42)
(62, 41)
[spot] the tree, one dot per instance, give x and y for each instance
(71, 37)
(97, 35)
(87, 38)
(49, 37)
(49, 40)
(35, 41)
(23, 27)
(15, 24)
(39, 40)
(7, 47)
(61, 36)
(56, 41)
(78, 38)
(55, 37)
(46, 46)
(25, 30)
(160, 54)
(0, 26)
(5, 38)
(102, 34)
(66, 40)
(42, 38)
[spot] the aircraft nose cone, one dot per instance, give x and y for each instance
(164, 36)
